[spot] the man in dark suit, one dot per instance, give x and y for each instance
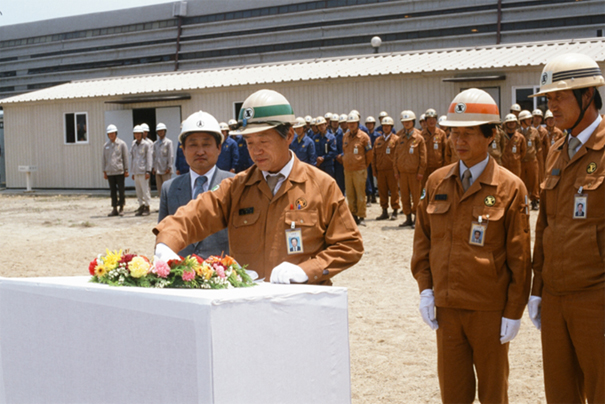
(201, 139)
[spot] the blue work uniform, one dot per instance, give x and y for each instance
(245, 161)
(304, 149)
(325, 146)
(181, 164)
(339, 171)
(229, 156)
(370, 187)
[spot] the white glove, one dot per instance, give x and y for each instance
(534, 307)
(509, 329)
(427, 308)
(163, 252)
(287, 272)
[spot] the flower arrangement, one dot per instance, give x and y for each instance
(117, 268)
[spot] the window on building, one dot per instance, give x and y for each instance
(237, 106)
(76, 128)
(521, 97)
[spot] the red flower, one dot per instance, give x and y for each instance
(174, 263)
(92, 266)
(199, 259)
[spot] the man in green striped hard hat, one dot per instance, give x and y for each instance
(277, 200)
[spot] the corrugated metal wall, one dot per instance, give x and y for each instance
(34, 133)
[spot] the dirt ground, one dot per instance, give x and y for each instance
(393, 353)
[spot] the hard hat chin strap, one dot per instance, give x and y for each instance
(578, 93)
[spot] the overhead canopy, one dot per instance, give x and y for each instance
(445, 60)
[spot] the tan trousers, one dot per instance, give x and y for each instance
(573, 347)
(160, 179)
(409, 185)
(387, 182)
(529, 176)
(141, 185)
(355, 187)
(467, 339)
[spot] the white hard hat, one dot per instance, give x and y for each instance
(112, 128)
(548, 114)
(472, 107)
(569, 72)
(353, 118)
(442, 118)
(510, 118)
(407, 116)
(265, 109)
(145, 127)
(342, 118)
(200, 122)
(387, 120)
(160, 126)
(525, 114)
(430, 113)
(320, 120)
(537, 112)
(422, 118)
(314, 122)
(137, 129)
(308, 118)
(223, 126)
(370, 119)
(382, 114)
(232, 122)
(515, 107)
(328, 116)
(299, 123)
(334, 117)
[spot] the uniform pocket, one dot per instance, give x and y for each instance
(245, 228)
(301, 218)
(439, 224)
(494, 213)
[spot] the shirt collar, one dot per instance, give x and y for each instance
(386, 138)
(209, 175)
(585, 134)
(476, 170)
(284, 171)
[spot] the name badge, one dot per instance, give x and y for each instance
(436, 146)
(529, 143)
(514, 149)
(294, 241)
(579, 205)
(478, 229)
(411, 150)
(355, 150)
(388, 150)
(494, 145)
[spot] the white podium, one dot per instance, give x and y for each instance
(64, 340)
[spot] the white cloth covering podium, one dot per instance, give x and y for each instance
(64, 340)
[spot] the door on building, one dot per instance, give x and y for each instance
(2, 152)
(126, 119)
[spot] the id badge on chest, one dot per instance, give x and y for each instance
(355, 150)
(579, 205)
(435, 146)
(388, 150)
(514, 149)
(294, 241)
(411, 150)
(478, 230)
(326, 147)
(494, 145)
(529, 143)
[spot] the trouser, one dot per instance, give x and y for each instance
(370, 187)
(529, 175)
(410, 187)
(540, 170)
(467, 338)
(141, 184)
(387, 182)
(339, 176)
(573, 347)
(355, 184)
(429, 171)
(160, 179)
(116, 187)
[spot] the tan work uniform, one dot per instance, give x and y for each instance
(357, 156)
(544, 147)
(497, 146)
(257, 222)
(554, 134)
(474, 286)
(410, 161)
(450, 152)
(435, 151)
(514, 152)
(383, 168)
(569, 272)
(529, 163)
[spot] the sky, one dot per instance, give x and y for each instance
(20, 11)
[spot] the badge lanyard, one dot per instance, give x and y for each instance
(579, 205)
(478, 230)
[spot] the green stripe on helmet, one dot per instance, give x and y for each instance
(262, 113)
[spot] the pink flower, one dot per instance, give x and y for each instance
(220, 270)
(188, 276)
(161, 269)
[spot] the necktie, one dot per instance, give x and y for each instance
(199, 185)
(572, 146)
(466, 180)
(272, 180)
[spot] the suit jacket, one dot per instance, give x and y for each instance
(176, 192)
